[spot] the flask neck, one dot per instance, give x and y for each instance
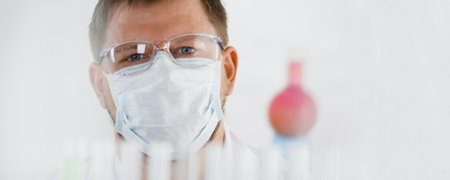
(295, 74)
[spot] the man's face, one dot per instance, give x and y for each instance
(159, 21)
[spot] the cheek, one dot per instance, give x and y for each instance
(109, 100)
(223, 83)
(223, 86)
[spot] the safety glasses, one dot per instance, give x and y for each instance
(130, 53)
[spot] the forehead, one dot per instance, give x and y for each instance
(157, 21)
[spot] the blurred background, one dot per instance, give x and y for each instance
(378, 70)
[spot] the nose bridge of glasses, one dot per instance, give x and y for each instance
(161, 46)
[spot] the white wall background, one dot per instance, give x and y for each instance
(379, 71)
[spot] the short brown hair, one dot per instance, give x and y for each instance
(97, 28)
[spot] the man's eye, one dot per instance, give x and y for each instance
(135, 57)
(186, 50)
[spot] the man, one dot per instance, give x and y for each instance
(163, 71)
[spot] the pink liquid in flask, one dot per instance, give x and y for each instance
(293, 113)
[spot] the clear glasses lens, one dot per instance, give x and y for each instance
(182, 49)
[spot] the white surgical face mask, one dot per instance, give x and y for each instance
(163, 102)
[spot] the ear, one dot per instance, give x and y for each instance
(230, 62)
(96, 77)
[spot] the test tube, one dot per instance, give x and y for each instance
(212, 162)
(83, 155)
(299, 161)
(187, 167)
(270, 164)
(71, 165)
(99, 163)
(132, 160)
(159, 162)
(245, 166)
(334, 158)
(192, 168)
(181, 166)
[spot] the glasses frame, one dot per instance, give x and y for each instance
(166, 42)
